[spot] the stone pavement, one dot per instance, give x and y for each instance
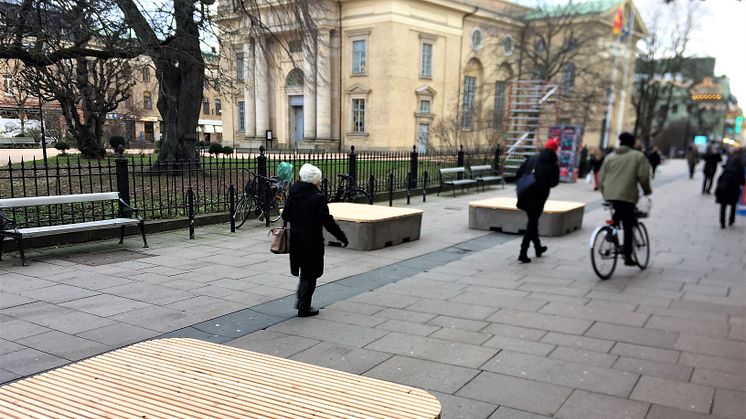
(453, 313)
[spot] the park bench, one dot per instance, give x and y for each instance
(450, 176)
(484, 174)
(9, 225)
(17, 142)
(189, 378)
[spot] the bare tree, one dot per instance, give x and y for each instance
(20, 90)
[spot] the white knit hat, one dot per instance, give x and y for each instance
(310, 174)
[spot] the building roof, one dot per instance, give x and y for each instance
(593, 7)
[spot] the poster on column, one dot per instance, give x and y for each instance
(568, 154)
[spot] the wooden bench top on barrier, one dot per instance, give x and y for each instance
(508, 203)
(363, 213)
(187, 378)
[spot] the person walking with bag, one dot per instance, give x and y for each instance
(536, 176)
(711, 158)
(307, 213)
(728, 188)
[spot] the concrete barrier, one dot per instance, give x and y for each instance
(501, 214)
(370, 227)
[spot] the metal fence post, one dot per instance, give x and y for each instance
(460, 160)
(123, 185)
(232, 207)
(497, 159)
(372, 186)
(413, 168)
(352, 165)
(391, 189)
(190, 210)
(261, 169)
(425, 177)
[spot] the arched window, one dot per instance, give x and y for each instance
(294, 78)
(568, 77)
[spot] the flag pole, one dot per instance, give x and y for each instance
(612, 98)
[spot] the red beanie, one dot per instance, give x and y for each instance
(552, 144)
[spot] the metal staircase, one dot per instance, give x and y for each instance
(534, 107)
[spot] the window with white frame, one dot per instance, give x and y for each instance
(8, 84)
(426, 60)
(146, 74)
(470, 89)
(359, 56)
(425, 106)
(358, 115)
(206, 106)
(147, 100)
(218, 107)
(568, 77)
(239, 66)
(241, 115)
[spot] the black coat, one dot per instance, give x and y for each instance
(728, 188)
(711, 162)
(547, 177)
(307, 212)
(654, 158)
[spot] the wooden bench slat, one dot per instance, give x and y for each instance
(67, 228)
(58, 199)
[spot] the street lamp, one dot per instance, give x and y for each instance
(268, 138)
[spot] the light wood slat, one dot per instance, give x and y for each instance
(364, 213)
(58, 199)
(507, 203)
(186, 378)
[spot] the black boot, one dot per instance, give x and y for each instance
(312, 311)
(523, 257)
(540, 250)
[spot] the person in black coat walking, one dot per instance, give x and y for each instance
(711, 159)
(654, 158)
(728, 189)
(307, 212)
(546, 172)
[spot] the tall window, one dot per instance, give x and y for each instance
(470, 87)
(241, 115)
(568, 77)
(147, 100)
(425, 106)
(239, 66)
(8, 84)
(426, 62)
(218, 107)
(359, 53)
(206, 106)
(358, 116)
(146, 74)
(497, 119)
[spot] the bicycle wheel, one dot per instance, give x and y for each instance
(641, 245)
(243, 209)
(603, 252)
(359, 196)
(277, 205)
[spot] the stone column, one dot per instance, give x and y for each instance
(261, 89)
(323, 86)
(309, 89)
(248, 91)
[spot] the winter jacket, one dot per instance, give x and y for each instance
(307, 212)
(547, 177)
(621, 172)
(728, 188)
(654, 158)
(711, 162)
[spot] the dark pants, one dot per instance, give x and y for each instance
(653, 169)
(707, 182)
(731, 219)
(624, 212)
(306, 287)
(691, 170)
(532, 231)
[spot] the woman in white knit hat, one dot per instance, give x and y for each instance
(307, 212)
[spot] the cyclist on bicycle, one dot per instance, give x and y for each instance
(621, 172)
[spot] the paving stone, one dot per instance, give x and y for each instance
(350, 318)
(584, 357)
(685, 396)
(654, 369)
(15, 283)
(736, 302)
(11, 300)
(6, 376)
(629, 298)
(423, 374)
(712, 363)
(462, 408)
(458, 323)
(601, 380)
(683, 314)
(541, 321)
(96, 281)
(557, 298)
(514, 331)
(645, 352)
(463, 336)
(385, 299)
(356, 307)
(691, 327)
(454, 309)
(408, 327)
(710, 346)
(156, 318)
(405, 315)
(611, 305)
(118, 334)
(64, 345)
(341, 357)
(578, 342)
(592, 313)
(491, 300)
(706, 290)
(30, 361)
(519, 345)
(105, 305)
(708, 307)
(272, 343)
(433, 349)
(729, 404)
(498, 291)
(554, 289)
(59, 293)
(149, 293)
(663, 412)
(649, 337)
(7, 347)
(426, 289)
(583, 404)
(508, 413)
(237, 324)
(17, 329)
(329, 331)
(730, 380)
(517, 393)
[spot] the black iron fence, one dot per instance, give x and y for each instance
(163, 192)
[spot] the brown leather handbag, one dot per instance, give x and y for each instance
(281, 240)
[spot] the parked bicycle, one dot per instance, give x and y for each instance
(250, 202)
(606, 245)
(347, 191)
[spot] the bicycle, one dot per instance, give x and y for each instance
(606, 248)
(350, 192)
(250, 202)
